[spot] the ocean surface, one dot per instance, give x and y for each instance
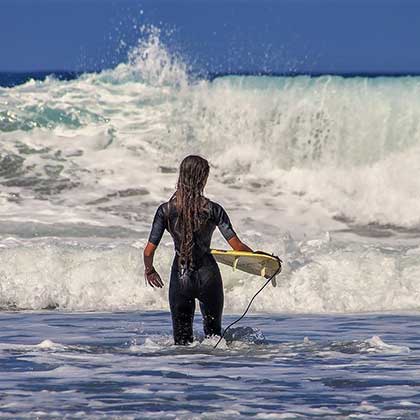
(123, 365)
(322, 171)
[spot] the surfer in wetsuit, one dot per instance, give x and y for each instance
(191, 219)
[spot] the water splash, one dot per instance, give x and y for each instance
(150, 62)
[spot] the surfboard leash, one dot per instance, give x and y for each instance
(250, 302)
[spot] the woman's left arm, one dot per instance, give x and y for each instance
(150, 274)
(158, 227)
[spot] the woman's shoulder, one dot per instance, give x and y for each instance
(168, 206)
(216, 209)
(214, 204)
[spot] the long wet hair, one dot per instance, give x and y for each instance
(190, 204)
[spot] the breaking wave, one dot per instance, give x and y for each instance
(93, 157)
(318, 277)
(350, 144)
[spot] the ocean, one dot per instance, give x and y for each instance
(322, 171)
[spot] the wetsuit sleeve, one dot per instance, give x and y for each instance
(158, 226)
(223, 222)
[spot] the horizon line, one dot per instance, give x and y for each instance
(21, 76)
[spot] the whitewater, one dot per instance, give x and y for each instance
(322, 171)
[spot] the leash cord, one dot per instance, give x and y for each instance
(250, 303)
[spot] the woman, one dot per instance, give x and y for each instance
(191, 218)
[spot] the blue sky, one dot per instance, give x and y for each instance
(305, 36)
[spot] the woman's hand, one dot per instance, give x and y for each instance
(150, 274)
(153, 278)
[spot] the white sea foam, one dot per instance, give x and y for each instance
(333, 278)
(50, 345)
(377, 345)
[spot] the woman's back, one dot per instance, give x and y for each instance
(212, 215)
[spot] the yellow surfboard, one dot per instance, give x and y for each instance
(260, 264)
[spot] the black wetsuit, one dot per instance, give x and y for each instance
(202, 281)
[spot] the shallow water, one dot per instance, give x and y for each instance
(123, 365)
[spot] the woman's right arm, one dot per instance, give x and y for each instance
(225, 227)
(238, 245)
